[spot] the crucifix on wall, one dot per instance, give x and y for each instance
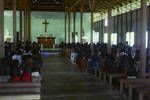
(46, 24)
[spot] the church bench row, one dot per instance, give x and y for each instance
(6, 79)
(29, 84)
(143, 92)
(106, 75)
(21, 97)
(119, 75)
(142, 86)
(20, 91)
(131, 84)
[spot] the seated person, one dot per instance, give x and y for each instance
(27, 69)
(93, 63)
(14, 71)
(5, 64)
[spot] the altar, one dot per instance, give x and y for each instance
(47, 42)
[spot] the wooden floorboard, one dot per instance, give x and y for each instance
(63, 80)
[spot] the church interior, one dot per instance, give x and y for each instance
(74, 50)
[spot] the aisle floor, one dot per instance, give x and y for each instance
(64, 81)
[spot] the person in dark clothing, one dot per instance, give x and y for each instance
(35, 49)
(7, 49)
(28, 46)
(15, 71)
(27, 69)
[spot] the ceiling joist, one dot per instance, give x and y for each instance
(62, 5)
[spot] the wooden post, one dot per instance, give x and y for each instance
(100, 41)
(2, 28)
(25, 28)
(68, 26)
(65, 27)
(14, 22)
(92, 26)
(92, 5)
(20, 25)
(148, 43)
(102, 31)
(27, 24)
(74, 26)
(81, 21)
(143, 37)
(109, 30)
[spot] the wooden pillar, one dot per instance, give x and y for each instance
(20, 25)
(109, 31)
(138, 25)
(2, 28)
(25, 22)
(143, 37)
(102, 31)
(92, 5)
(81, 21)
(65, 27)
(14, 22)
(148, 43)
(68, 26)
(74, 26)
(92, 24)
(99, 31)
(27, 25)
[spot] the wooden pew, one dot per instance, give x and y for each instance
(83, 65)
(143, 92)
(102, 75)
(20, 91)
(137, 85)
(115, 75)
(132, 84)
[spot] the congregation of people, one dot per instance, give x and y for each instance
(21, 62)
(124, 59)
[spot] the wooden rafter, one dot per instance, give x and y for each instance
(100, 5)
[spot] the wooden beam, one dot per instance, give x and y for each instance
(2, 53)
(14, 21)
(65, 35)
(81, 20)
(69, 15)
(92, 6)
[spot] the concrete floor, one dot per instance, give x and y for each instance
(64, 81)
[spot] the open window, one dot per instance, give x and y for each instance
(130, 38)
(105, 37)
(95, 37)
(113, 38)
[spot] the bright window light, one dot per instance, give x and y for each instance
(95, 37)
(130, 38)
(113, 38)
(105, 37)
(106, 22)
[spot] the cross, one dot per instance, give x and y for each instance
(46, 24)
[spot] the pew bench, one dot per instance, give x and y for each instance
(112, 76)
(132, 83)
(143, 92)
(137, 85)
(20, 91)
(102, 75)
